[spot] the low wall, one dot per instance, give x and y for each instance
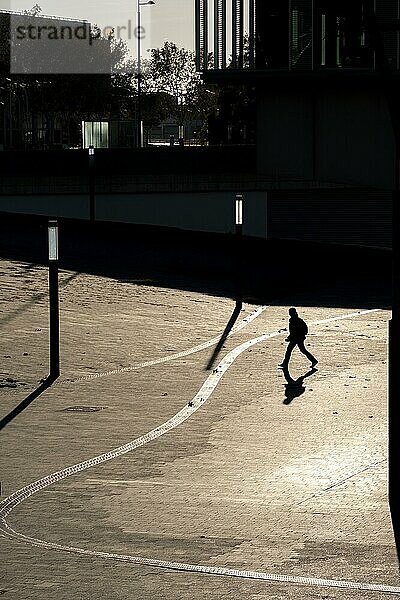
(69, 206)
(211, 211)
(357, 217)
(154, 161)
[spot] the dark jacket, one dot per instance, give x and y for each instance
(297, 329)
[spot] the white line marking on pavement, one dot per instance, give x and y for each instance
(253, 315)
(7, 505)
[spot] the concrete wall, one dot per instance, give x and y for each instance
(70, 206)
(198, 211)
(357, 217)
(151, 161)
(211, 211)
(346, 216)
(328, 136)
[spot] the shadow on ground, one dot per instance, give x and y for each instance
(46, 383)
(295, 387)
(225, 333)
(280, 272)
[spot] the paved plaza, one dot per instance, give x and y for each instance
(243, 470)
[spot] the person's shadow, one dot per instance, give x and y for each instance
(294, 387)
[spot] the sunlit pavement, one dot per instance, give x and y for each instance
(267, 475)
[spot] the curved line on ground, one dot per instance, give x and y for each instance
(253, 315)
(8, 504)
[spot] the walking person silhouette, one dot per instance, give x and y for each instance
(297, 334)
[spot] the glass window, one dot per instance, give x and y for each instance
(341, 35)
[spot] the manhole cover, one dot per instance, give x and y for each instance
(86, 409)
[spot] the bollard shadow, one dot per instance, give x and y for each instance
(226, 332)
(46, 383)
(294, 387)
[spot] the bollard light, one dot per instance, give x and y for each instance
(54, 322)
(239, 209)
(53, 240)
(91, 184)
(238, 248)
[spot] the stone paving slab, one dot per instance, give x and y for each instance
(249, 481)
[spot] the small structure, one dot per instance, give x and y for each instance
(109, 134)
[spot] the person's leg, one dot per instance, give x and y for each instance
(288, 353)
(304, 350)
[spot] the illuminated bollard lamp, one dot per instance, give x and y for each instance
(238, 244)
(238, 213)
(92, 214)
(54, 328)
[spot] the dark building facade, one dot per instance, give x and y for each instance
(325, 74)
(294, 34)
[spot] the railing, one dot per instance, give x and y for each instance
(133, 184)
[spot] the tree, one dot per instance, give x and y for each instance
(35, 11)
(156, 107)
(172, 72)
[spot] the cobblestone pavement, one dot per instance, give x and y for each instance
(268, 477)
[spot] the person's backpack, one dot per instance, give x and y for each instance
(302, 327)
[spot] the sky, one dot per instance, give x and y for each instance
(171, 20)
